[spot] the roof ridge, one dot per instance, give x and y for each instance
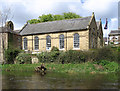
(61, 20)
(57, 26)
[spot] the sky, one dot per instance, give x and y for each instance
(23, 10)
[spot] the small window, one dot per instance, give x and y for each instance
(61, 41)
(48, 42)
(76, 40)
(36, 42)
(92, 42)
(25, 44)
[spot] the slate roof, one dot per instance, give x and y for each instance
(114, 32)
(5, 30)
(56, 26)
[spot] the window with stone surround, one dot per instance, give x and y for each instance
(61, 41)
(48, 42)
(76, 40)
(36, 43)
(25, 44)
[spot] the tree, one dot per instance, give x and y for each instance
(71, 15)
(5, 14)
(58, 17)
(50, 17)
(34, 21)
(45, 18)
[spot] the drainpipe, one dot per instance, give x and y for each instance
(66, 41)
(32, 42)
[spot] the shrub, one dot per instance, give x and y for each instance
(49, 56)
(106, 53)
(112, 67)
(24, 58)
(44, 57)
(54, 49)
(10, 55)
(72, 56)
(118, 49)
(102, 62)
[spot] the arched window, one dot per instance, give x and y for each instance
(25, 43)
(48, 42)
(92, 41)
(76, 40)
(61, 41)
(36, 43)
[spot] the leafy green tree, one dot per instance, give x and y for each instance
(34, 21)
(71, 15)
(50, 17)
(58, 17)
(45, 18)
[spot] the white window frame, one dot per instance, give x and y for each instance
(24, 44)
(48, 48)
(35, 43)
(61, 38)
(75, 48)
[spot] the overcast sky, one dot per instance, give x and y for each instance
(23, 10)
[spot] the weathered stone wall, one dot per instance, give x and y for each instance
(14, 41)
(68, 41)
(3, 45)
(93, 34)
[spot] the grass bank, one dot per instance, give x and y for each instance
(87, 67)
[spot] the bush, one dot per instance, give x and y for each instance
(54, 49)
(118, 49)
(106, 53)
(49, 56)
(102, 62)
(72, 56)
(112, 67)
(108, 66)
(23, 58)
(10, 55)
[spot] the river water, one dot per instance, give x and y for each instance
(32, 80)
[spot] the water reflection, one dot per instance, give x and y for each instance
(32, 80)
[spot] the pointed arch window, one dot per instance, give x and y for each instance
(48, 42)
(61, 41)
(36, 43)
(25, 43)
(76, 40)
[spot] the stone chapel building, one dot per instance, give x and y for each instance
(72, 34)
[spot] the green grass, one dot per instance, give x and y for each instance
(88, 67)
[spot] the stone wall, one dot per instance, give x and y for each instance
(68, 41)
(93, 37)
(3, 45)
(14, 41)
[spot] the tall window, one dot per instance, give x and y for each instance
(61, 41)
(76, 40)
(25, 44)
(48, 42)
(36, 42)
(92, 41)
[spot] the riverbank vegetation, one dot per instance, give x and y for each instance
(105, 59)
(102, 66)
